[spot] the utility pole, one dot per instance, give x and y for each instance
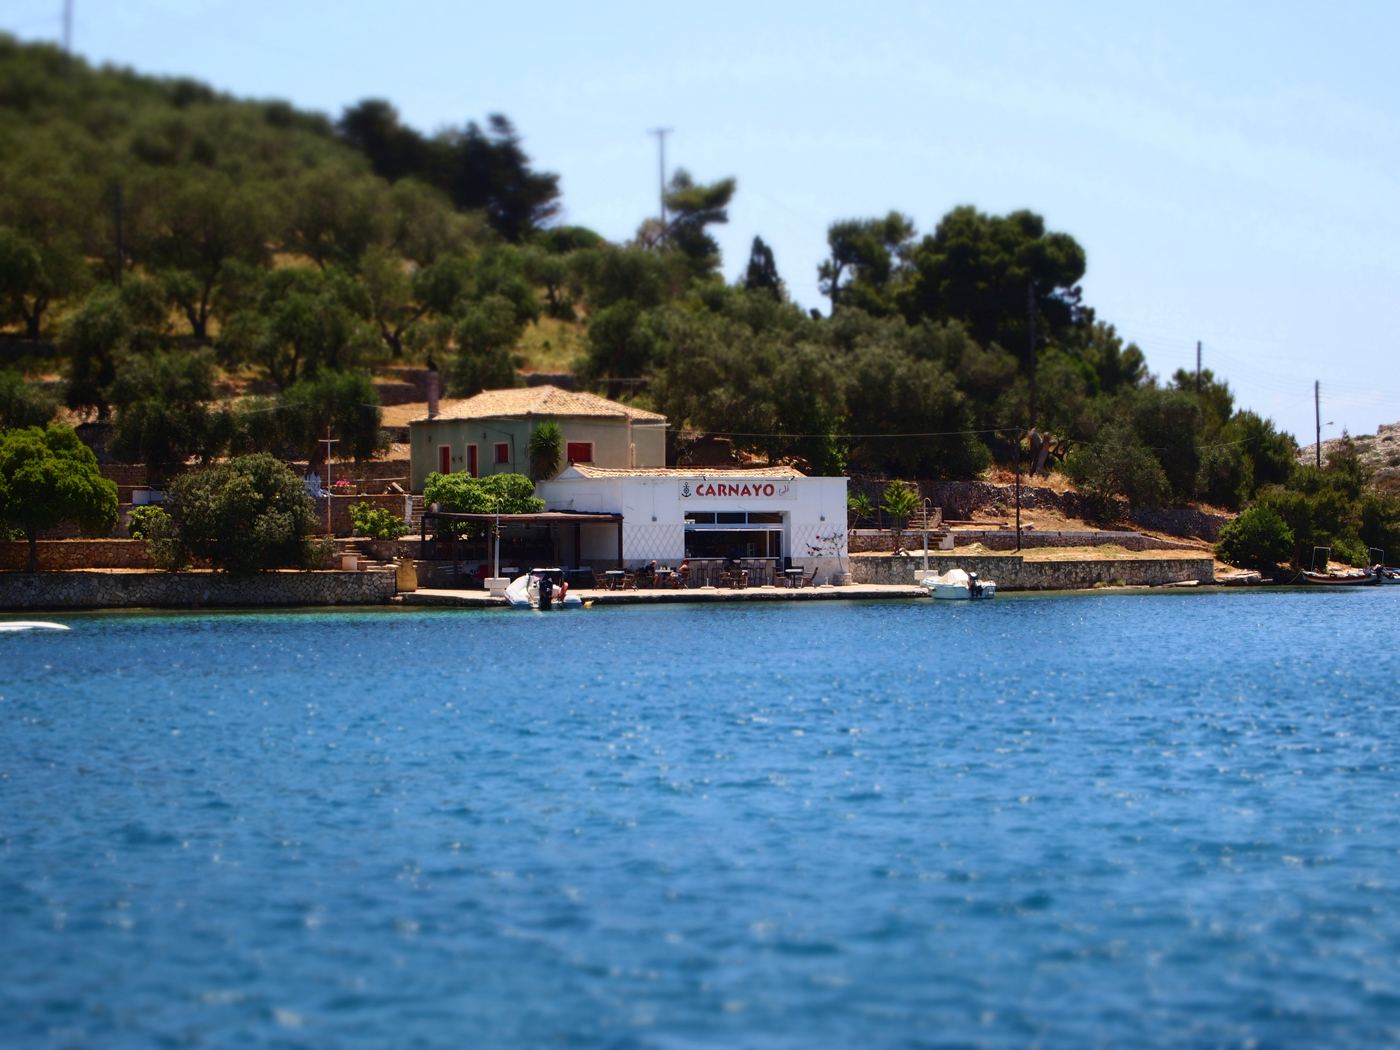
(1030, 325)
(1198, 367)
(1018, 486)
(117, 217)
(328, 443)
(1317, 417)
(661, 134)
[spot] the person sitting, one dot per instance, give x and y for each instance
(681, 575)
(648, 574)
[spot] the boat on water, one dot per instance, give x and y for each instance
(524, 593)
(31, 625)
(1357, 578)
(955, 585)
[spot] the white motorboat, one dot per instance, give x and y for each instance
(31, 625)
(518, 593)
(524, 593)
(955, 585)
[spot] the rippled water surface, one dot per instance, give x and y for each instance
(1060, 821)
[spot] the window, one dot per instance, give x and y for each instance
(503, 452)
(580, 452)
(471, 461)
(444, 459)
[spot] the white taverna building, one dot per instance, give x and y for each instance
(675, 514)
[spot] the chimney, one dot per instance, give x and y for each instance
(432, 391)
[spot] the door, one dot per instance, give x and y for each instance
(444, 459)
(471, 461)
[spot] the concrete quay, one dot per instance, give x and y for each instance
(662, 596)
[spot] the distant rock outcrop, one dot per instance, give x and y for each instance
(1379, 452)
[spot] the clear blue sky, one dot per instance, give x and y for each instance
(1231, 171)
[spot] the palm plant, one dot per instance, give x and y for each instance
(900, 501)
(546, 450)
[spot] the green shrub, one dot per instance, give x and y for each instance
(376, 522)
(1258, 538)
(162, 537)
(142, 520)
(1118, 464)
(246, 515)
(464, 494)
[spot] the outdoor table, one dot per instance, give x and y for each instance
(793, 575)
(614, 578)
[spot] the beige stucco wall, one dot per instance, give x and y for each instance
(612, 444)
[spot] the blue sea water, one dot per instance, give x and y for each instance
(1062, 821)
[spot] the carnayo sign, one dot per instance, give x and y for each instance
(705, 489)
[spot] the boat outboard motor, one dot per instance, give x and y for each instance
(546, 592)
(974, 588)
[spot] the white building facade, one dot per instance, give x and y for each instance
(670, 515)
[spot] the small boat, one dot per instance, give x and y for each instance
(31, 625)
(956, 585)
(518, 593)
(524, 593)
(1357, 578)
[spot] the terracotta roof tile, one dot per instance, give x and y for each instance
(539, 401)
(588, 471)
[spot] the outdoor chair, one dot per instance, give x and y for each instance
(599, 582)
(808, 580)
(680, 579)
(629, 582)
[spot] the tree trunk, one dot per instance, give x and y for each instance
(32, 534)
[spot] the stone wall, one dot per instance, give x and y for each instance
(103, 590)
(862, 540)
(60, 555)
(371, 470)
(341, 524)
(1013, 573)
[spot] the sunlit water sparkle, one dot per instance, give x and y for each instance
(1062, 821)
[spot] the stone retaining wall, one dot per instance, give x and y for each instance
(1005, 539)
(863, 540)
(1013, 573)
(60, 555)
(102, 590)
(341, 525)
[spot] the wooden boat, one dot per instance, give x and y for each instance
(1359, 578)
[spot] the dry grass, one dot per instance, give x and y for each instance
(550, 345)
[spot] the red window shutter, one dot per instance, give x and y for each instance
(503, 452)
(580, 452)
(471, 461)
(444, 459)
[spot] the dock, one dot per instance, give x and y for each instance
(663, 596)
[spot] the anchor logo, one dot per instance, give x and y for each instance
(685, 489)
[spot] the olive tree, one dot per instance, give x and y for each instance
(246, 515)
(49, 477)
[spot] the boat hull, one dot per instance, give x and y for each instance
(1320, 579)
